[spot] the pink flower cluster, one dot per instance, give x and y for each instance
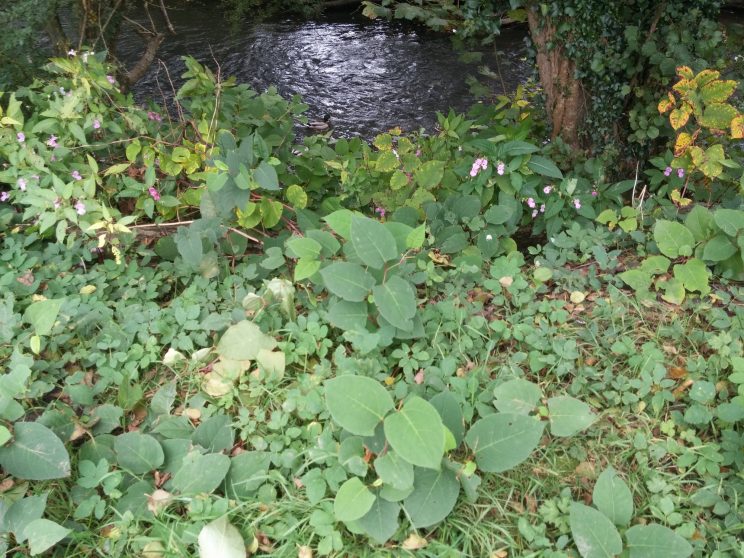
(478, 165)
(154, 116)
(154, 193)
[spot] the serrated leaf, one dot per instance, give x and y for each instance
(36, 453)
(348, 281)
(220, 539)
(503, 440)
(613, 497)
(353, 500)
(595, 535)
(679, 117)
(372, 242)
(656, 541)
(569, 416)
(357, 403)
(684, 140)
(718, 116)
(416, 433)
(433, 498)
(396, 301)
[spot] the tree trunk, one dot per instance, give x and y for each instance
(148, 55)
(564, 96)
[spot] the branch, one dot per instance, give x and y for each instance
(152, 43)
(167, 19)
(57, 36)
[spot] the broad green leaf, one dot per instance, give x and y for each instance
(700, 222)
(303, 247)
(243, 340)
(373, 243)
(656, 541)
(719, 248)
(544, 166)
(381, 521)
(41, 315)
(514, 148)
(394, 471)
(433, 498)
(595, 535)
(305, 268)
(43, 534)
(348, 281)
(296, 196)
(271, 212)
(451, 412)
(416, 433)
(730, 221)
(357, 403)
(220, 539)
(396, 301)
(214, 434)
(503, 440)
(350, 316)
(21, 513)
(673, 239)
(498, 214)
(386, 162)
(569, 416)
(116, 169)
(416, 237)
(613, 497)
(353, 500)
(36, 453)
(138, 453)
(248, 471)
(265, 175)
(201, 473)
(429, 174)
(340, 222)
(516, 396)
(693, 274)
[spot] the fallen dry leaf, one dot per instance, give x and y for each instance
(414, 542)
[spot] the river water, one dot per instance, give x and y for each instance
(368, 75)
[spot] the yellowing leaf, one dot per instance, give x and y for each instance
(684, 140)
(679, 117)
(737, 127)
(666, 104)
(717, 91)
(684, 72)
(414, 542)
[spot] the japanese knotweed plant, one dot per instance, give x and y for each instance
(421, 453)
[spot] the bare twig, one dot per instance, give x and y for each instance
(167, 19)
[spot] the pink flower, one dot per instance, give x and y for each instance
(71, 52)
(154, 116)
(594, 193)
(547, 189)
(419, 377)
(4, 196)
(577, 203)
(79, 207)
(531, 203)
(52, 141)
(57, 203)
(680, 173)
(76, 175)
(534, 213)
(21, 137)
(542, 208)
(96, 124)
(500, 168)
(667, 171)
(21, 184)
(484, 163)
(111, 80)
(418, 153)
(154, 193)
(380, 211)
(478, 165)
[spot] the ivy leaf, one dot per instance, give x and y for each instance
(416, 433)
(673, 239)
(348, 281)
(396, 301)
(595, 535)
(433, 498)
(372, 242)
(569, 416)
(656, 541)
(503, 440)
(220, 539)
(353, 500)
(613, 497)
(36, 453)
(357, 403)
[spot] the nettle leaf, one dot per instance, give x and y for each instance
(673, 239)
(503, 440)
(656, 541)
(372, 242)
(381, 521)
(517, 396)
(201, 473)
(569, 416)
(595, 535)
(243, 341)
(613, 497)
(138, 453)
(348, 281)
(353, 500)
(36, 453)
(396, 301)
(357, 403)
(394, 470)
(416, 433)
(433, 498)
(220, 539)
(43, 534)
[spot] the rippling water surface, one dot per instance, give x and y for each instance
(368, 75)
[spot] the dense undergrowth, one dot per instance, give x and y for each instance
(218, 342)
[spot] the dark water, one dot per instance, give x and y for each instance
(368, 75)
